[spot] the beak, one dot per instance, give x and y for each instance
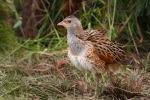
(61, 23)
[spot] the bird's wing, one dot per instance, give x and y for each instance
(96, 34)
(107, 50)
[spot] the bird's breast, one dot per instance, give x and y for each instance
(76, 47)
(81, 62)
(84, 62)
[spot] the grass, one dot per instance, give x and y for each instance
(49, 78)
(39, 68)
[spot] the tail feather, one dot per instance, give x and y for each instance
(112, 66)
(132, 60)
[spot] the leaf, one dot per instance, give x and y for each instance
(17, 24)
(81, 86)
(60, 63)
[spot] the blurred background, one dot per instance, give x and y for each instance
(32, 46)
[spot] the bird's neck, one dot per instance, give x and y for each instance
(76, 45)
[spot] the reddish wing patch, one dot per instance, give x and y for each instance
(107, 50)
(95, 60)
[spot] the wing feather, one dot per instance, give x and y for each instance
(106, 49)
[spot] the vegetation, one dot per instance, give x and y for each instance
(34, 63)
(6, 42)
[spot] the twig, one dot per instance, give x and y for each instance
(125, 23)
(139, 31)
(127, 91)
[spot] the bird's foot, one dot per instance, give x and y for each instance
(95, 95)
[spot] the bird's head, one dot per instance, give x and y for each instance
(70, 22)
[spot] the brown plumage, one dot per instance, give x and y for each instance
(106, 49)
(91, 50)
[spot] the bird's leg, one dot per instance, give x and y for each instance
(97, 85)
(97, 82)
(112, 77)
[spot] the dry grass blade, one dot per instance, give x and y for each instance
(125, 86)
(126, 22)
(139, 31)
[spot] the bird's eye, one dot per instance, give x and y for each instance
(69, 21)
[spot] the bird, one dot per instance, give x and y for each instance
(91, 50)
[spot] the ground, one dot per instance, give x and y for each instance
(50, 76)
